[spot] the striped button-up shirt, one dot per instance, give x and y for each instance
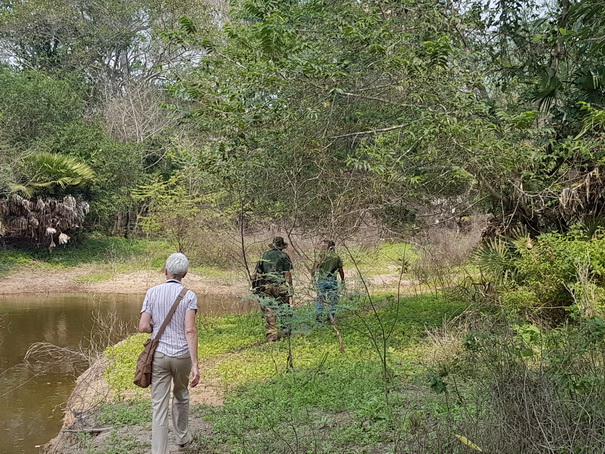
(157, 303)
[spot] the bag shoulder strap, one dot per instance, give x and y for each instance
(171, 313)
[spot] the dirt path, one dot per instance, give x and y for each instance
(91, 392)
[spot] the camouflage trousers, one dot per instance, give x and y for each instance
(275, 306)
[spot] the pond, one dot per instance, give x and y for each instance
(33, 393)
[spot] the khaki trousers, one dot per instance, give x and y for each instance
(167, 369)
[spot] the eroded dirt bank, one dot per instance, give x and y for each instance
(90, 392)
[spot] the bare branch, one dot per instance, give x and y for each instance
(374, 131)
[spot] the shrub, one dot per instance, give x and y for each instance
(529, 390)
(441, 252)
(552, 272)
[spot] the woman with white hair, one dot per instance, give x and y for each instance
(175, 358)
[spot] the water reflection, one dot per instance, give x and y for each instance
(33, 394)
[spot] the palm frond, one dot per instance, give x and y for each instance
(496, 259)
(48, 170)
(20, 189)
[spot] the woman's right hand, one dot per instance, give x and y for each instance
(195, 376)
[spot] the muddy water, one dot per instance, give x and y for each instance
(32, 395)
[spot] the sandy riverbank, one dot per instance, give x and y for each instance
(90, 279)
(78, 280)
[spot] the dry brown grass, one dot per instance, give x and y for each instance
(442, 252)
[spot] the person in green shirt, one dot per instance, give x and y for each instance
(275, 289)
(324, 270)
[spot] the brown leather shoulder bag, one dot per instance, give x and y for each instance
(142, 375)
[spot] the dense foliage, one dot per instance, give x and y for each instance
(318, 116)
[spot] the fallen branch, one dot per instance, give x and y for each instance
(52, 355)
(92, 430)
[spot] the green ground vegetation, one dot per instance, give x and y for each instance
(87, 248)
(349, 395)
(475, 369)
(110, 256)
(442, 377)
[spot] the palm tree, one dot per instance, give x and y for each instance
(34, 211)
(47, 172)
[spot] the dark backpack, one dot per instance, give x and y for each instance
(258, 278)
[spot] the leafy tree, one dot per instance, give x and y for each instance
(170, 211)
(110, 42)
(119, 168)
(32, 104)
(319, 115)
(307, 87)
(546, 90)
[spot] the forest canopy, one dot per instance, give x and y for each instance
(316, 115)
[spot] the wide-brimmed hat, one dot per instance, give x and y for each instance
(279, 243)
(330, 243)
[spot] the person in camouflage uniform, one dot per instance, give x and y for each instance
(274, 287)
(324, 270)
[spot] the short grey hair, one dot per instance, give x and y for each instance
(177, 264)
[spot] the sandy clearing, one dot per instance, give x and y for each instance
(77, 280)
(74, 280)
